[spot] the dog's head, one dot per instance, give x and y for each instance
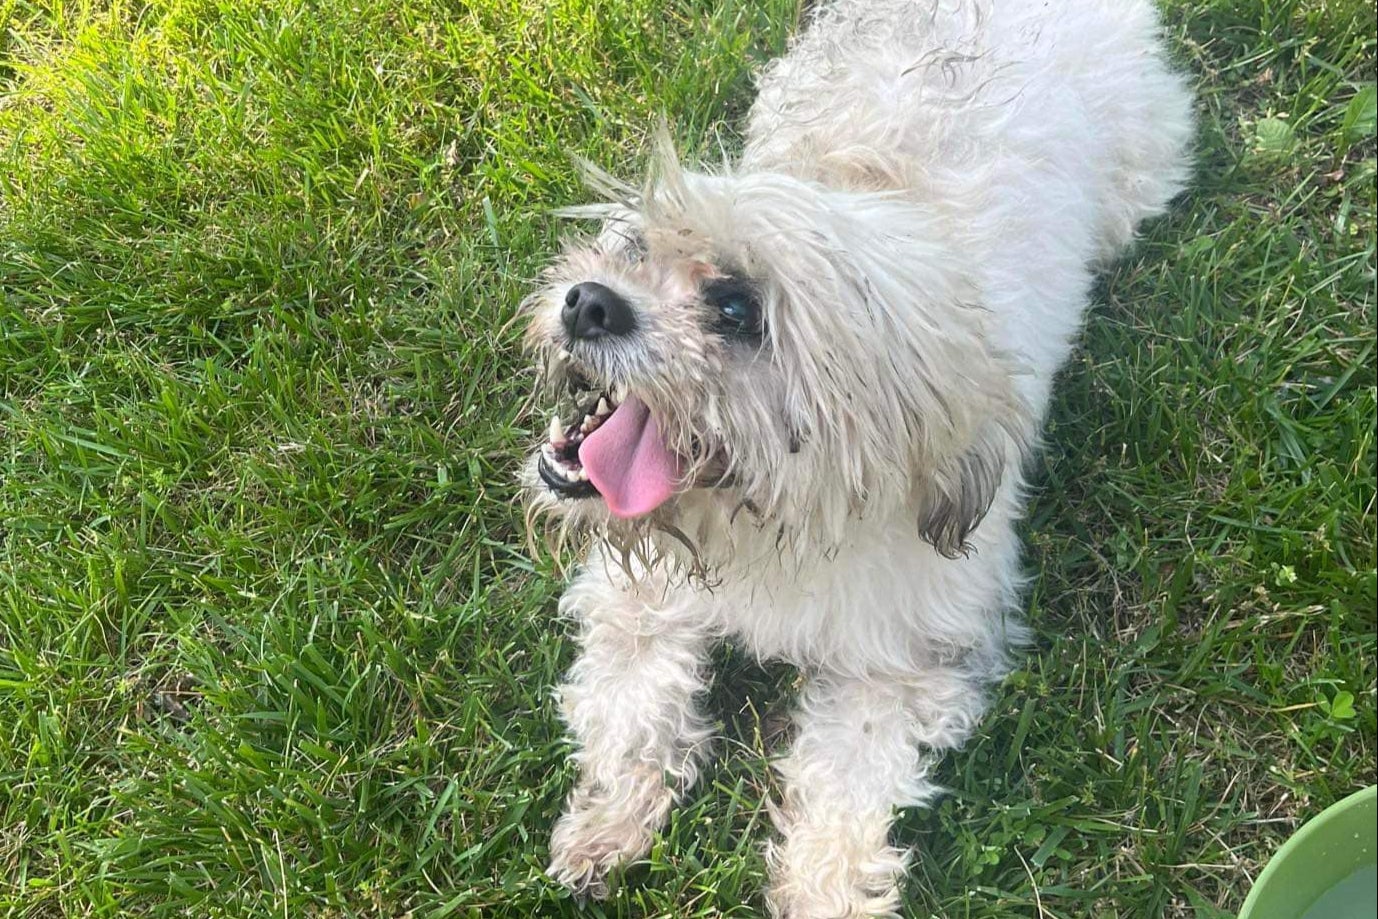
(808, 354)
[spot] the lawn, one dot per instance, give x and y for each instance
(271, 642)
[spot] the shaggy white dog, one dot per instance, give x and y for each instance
(811, 380)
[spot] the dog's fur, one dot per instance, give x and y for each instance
(926, 189)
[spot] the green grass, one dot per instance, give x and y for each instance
(270, 643)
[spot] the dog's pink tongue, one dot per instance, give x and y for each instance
(628, 462)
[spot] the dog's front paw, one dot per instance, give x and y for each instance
(837, 872)
(594, 837)
(583, 851)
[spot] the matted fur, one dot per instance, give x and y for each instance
(925, 192)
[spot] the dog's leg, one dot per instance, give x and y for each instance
(629, 701)
(864, 747)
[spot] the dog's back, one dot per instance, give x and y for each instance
(934, 97)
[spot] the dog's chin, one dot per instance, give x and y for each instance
(550, 494)
(563, 507)
(559, 490)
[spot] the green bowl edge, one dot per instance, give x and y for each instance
(1364, 799)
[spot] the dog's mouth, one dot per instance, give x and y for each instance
(613, 449)
(560, 466)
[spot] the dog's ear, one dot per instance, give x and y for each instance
(956, 499)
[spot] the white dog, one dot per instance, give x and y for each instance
(810, 381)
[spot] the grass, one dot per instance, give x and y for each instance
(270, 644)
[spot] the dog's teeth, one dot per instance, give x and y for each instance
(590, 422)
(581, 475)
(603, 407)
(557, 430)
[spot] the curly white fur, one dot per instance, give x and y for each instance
(926, 189)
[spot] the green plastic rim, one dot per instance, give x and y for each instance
(1327, 849)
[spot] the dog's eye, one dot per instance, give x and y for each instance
(635, 248)
(738, 312)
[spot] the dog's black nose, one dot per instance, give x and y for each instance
(592, 311)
